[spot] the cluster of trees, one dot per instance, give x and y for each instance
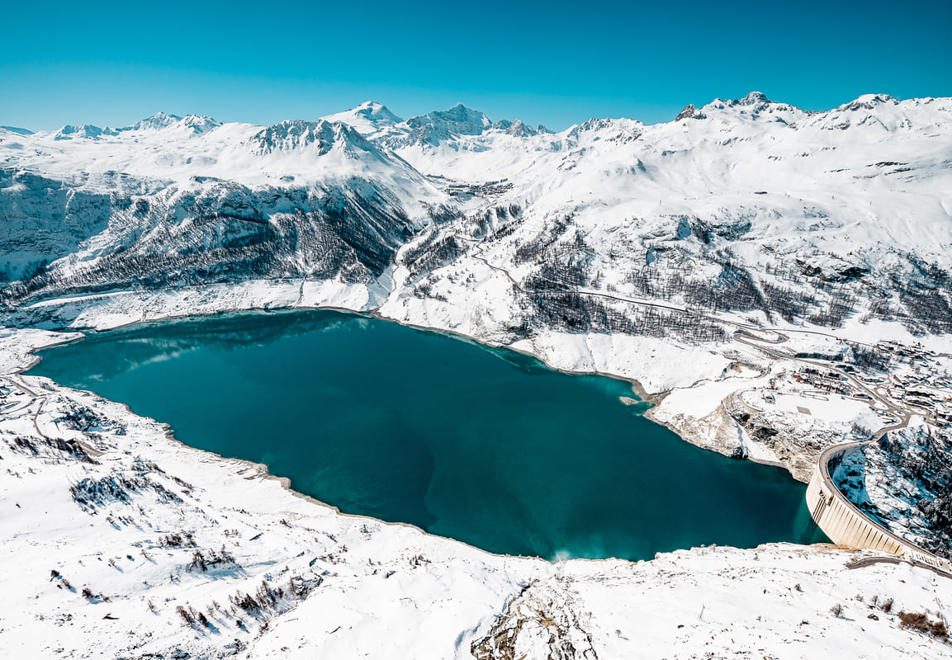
(434, 251)
(924, 456)
(90, 493)
(581, 313)
(869, 359)
(538, 250)
(929, 309)
(202, 561)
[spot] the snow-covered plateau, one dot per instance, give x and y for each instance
(774, 281)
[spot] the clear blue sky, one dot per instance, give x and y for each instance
(557, 63)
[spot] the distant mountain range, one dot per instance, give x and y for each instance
(743, 207)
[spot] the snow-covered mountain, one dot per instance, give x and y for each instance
(83, 131)
(370, 118)
(745, 206)
(720, 261)
(160, 121)
(157, 122)
(282, 200)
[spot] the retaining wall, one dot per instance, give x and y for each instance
(846, 525)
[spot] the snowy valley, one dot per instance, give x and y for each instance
(775, 281)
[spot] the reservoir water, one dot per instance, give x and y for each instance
(482, 445)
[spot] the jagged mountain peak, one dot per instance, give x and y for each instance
(82, 131)
(438, 126)
(460, 118)
(195, 124)
(155, 121)
(753, 107)
(753, 98)
(868, 102)
(163, 120)
(322, 135)
(517, 128)
(881, 114)
(460, 112)
(690, 111)
(598, 124)
(377, 111)
(199, 123)
(754, 101)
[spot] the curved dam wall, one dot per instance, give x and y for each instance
(846, 525)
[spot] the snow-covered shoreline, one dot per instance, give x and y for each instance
(488, 602)
(687, 386)
(158, 306)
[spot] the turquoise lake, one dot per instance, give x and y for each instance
(482, 445)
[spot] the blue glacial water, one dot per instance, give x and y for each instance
(482, 445)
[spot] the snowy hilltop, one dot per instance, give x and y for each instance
(775, 281)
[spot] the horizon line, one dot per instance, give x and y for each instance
(752, 93)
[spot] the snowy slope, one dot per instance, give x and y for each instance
(169, 149)
(219, 200)
(370, 118)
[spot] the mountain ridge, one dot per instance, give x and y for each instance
(745, 194)
(382, 115)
